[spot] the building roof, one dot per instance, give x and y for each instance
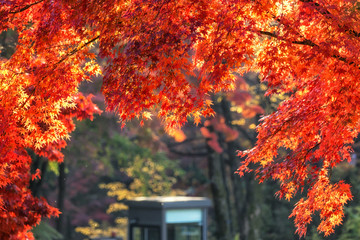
(169, 202)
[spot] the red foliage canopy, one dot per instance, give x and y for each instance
(169, 55)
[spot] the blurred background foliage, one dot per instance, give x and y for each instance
(105, 165)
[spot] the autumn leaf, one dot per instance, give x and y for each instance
(178, 135)
(171, 57)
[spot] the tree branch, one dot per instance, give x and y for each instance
(25, 7)
(57, 63)
(189, 154)
(306, 42)
(323, 11)
(175, 144)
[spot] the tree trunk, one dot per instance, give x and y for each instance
(220, 197)
(218, 175)
(35, 185)
(247, 193)
(61, 197)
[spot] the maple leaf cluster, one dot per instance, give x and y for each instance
(39, 99)
(314, 48)
(169, 56)
(217, 124)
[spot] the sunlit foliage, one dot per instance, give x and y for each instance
(168, 56)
